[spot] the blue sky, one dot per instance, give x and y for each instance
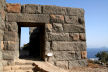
(96, 18)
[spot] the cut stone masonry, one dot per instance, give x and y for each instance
(64, 32)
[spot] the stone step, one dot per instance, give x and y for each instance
(18, 67)
(19, 71)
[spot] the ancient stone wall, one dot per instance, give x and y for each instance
(2, 26)
(64, 32)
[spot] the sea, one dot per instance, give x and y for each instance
(91, 52)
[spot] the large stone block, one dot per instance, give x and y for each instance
(2, 23)
(13, 8)
(62, 64)
(57, 18)
(11, 36)
(74, 36)
(83, 54)
(78, 55)
(54, 10)
(66, 46)
(2, 12)
(18, 17)
(48, 27)
(57, 27)
(75, 12)
(31, 9)
(47, 47)
(71, 19)
(82, 36)
(10, 45)
(1, 34)
(64, 55)
(74, 28)
(77, 63)
(58, 37)
(9, 55)
(0, 55)
(11, 26)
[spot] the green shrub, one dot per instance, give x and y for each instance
(103, 56)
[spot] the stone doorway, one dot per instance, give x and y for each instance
(35, 49)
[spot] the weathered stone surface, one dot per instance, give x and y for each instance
(48, 27)
(81, 20)
(1, 45)
(11, 26)
(10, 46)
(2, 12)
(82, 36)
(10, 36)
(1, 66)
(84, 54)
(9, 55)
(72, 46)
(58, 36)
(47, 47)
(78, 55)
(54, 10)
(75, 11)
(0, 55)
(62, 64)
(77, 63)
(74, 28)
(64, 55)
(71, 19)
(31, 9)
(75, 36)
(18, 17)
(13, 8)
(57, 18)
(1, 34)
(2, 23)
(57, 27)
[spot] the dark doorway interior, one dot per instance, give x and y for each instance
(35, 48)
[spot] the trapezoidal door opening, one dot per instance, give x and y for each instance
(35, 48)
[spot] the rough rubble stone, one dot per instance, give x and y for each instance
(74, 28)
(13, 8)
(18, 17)
(54, 10)
(31, 9)
(57, 27)
(57, 18)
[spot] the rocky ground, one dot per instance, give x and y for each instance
(89, 69)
